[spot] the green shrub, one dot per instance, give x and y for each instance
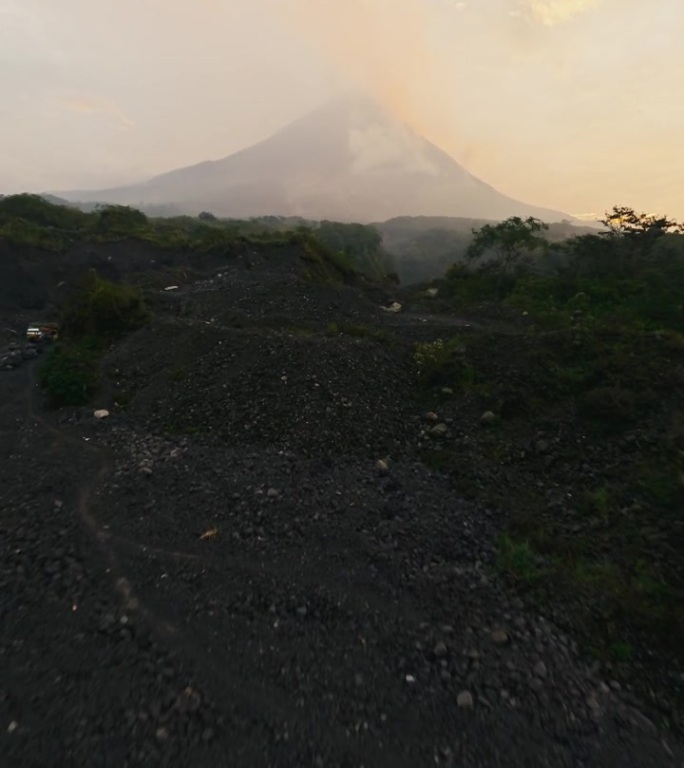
(70, 374)
(442, 363)
(518, 560)
(99, 313)
(104, 310)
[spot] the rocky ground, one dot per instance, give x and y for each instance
(15, 354)
(250, 562)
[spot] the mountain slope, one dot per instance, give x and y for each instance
(348, 161)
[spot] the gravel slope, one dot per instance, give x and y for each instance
(250, 589)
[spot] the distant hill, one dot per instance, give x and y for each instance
(347, 161)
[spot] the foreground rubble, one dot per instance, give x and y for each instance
(247, 564)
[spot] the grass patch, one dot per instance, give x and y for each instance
(517, 559)
(598, 503)
(357, 331)
(662, 485)
(178, 373)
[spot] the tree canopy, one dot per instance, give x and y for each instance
(507, 242)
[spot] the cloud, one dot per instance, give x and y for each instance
(97, 106)
(552, 12)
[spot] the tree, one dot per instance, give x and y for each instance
(623, 221)
(587, 255)
(207, 216)
(636, 233)
(508, 244)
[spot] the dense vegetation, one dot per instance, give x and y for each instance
(631, 274)
(424, 247)
(581, 365)
(30, 220)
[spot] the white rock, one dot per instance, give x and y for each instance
(439, 430)
(488, 417)
(101, 413)
(382, 466)
(540, 670)
(465, 700)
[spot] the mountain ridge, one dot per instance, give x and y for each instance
(347, 160)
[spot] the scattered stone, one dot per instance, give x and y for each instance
(465, 700)
(439, 430)
(336, 514)
(592, 703)
(107, 622)
(540, 670)
(101, 413)
(394, 307)
(447, 391)
(488, 417)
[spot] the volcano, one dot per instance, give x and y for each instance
(348, 161)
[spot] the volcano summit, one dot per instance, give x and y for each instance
(348, 160)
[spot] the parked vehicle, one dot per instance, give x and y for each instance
(38, 332)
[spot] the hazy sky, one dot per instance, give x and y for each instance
(572, 104)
